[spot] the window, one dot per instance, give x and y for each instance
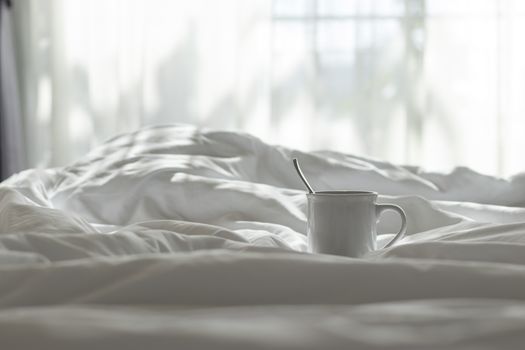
(432, 82)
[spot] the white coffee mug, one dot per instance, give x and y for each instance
(344, 222)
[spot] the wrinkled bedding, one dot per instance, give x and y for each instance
(176, 237)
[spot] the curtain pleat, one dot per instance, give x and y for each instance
(11, 136)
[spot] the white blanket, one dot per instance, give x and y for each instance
(172, 237)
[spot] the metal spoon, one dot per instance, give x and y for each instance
(301, 175)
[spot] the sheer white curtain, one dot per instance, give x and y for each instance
(435, 83)
(96, 68)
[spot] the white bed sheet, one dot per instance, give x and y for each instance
(174, 237)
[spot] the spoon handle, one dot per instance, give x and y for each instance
(301, 175)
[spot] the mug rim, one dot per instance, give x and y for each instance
(343, 193)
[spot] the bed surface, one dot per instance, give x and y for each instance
(174, 237)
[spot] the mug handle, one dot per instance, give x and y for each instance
(380, 208)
